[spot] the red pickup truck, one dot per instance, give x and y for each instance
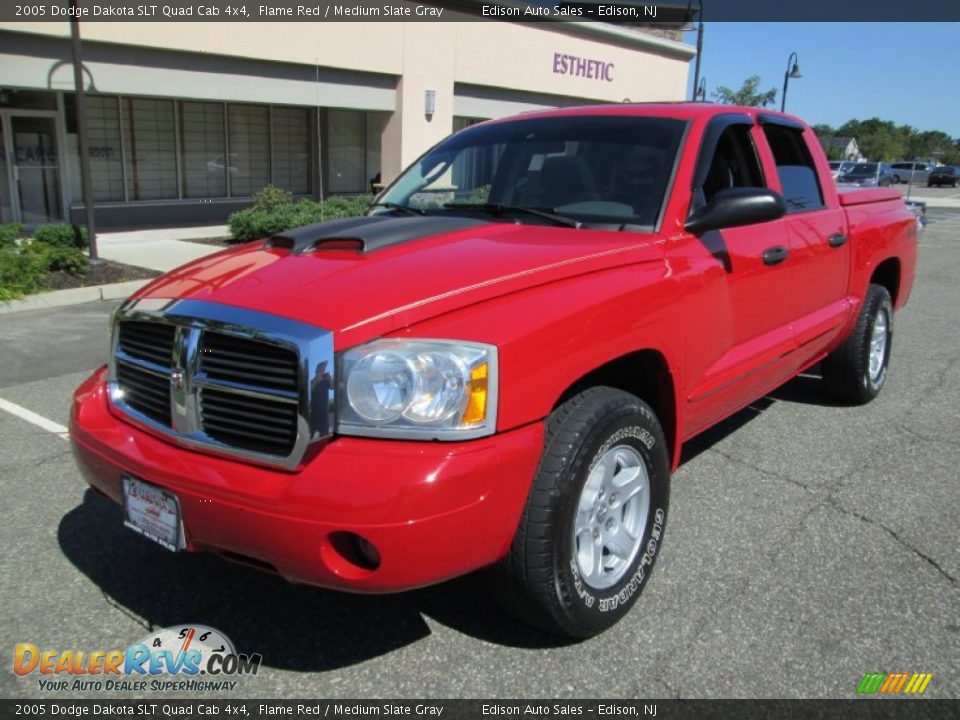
(498, 365)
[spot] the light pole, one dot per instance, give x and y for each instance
(793, 71)
(701, 92)
(83, 136)
(696, 72)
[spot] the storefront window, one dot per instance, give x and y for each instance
(205, 162)
(345, 150)
(291, 149)
(375, 123)
(178, 149)
(151, 158)
(106, 157)
(249, 141)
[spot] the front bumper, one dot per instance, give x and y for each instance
(432, 510)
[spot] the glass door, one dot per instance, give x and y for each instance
(36, 169)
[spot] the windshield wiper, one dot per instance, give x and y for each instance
(498, 209)
(400, 208)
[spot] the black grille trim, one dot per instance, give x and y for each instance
(248, 362)
(148, 341)
(145, 392)
(266, 426)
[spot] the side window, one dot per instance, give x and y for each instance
(798, 176)
(734, 164)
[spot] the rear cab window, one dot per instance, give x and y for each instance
(799, 181)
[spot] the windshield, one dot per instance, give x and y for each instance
(862, 168)
(590, 169)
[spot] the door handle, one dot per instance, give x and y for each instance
(775, 255)
(836, 240)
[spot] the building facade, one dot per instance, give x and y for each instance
(188, 120)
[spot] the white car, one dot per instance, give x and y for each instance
(838, 167)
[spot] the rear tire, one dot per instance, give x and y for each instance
(594, 519)
(856, 371)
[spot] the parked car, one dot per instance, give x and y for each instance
(867, 174)
(943, 175)
(839, 167)
(911, 172)
(499, 365)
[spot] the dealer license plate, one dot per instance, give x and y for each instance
(153, 512)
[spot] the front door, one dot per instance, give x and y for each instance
(30, 190)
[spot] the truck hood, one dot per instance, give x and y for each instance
(365, 294)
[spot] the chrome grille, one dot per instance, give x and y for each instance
(223, 379)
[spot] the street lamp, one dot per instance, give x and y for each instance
(793, 71)
(701, 91)
(696, 72)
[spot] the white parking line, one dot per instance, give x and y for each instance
(34, 419)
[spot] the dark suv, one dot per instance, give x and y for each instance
(944, 175)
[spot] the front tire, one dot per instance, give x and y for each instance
(594, 519)
(856, 371)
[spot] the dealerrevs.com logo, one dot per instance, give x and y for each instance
(182, 658)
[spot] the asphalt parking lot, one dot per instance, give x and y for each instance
(808, 545)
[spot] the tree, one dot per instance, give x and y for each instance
(879, 140)
(747, 94)
(825, 134)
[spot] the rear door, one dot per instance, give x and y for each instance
(816, 230)
(739, 306)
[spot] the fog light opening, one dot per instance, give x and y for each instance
(356, 550)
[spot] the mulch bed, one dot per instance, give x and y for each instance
(103, 273)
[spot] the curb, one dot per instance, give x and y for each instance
(73, 296)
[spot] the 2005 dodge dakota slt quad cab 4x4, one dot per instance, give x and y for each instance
(498, 365)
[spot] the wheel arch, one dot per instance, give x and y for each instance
(887, 274)
(644, 373)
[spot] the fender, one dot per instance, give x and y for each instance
(552, 336)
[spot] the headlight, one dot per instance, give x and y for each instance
(419, 389)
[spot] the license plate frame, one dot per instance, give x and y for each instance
(153, 512)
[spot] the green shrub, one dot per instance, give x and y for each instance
(21, 271)
(10, 233)
(23, 267)
(57, 258)
(270, 197)
(62, 235)
(253, 223)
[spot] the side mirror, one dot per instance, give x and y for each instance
(734, 207)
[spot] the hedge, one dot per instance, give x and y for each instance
(24, 263)
(10, 233)
(254, 223)
(69, 236)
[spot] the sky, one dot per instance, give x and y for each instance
(905, 72)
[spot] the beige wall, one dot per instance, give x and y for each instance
(337, 45)
(429, 49)
(506, 55)
(510, 58)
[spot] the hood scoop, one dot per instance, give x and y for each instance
(366, 234)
